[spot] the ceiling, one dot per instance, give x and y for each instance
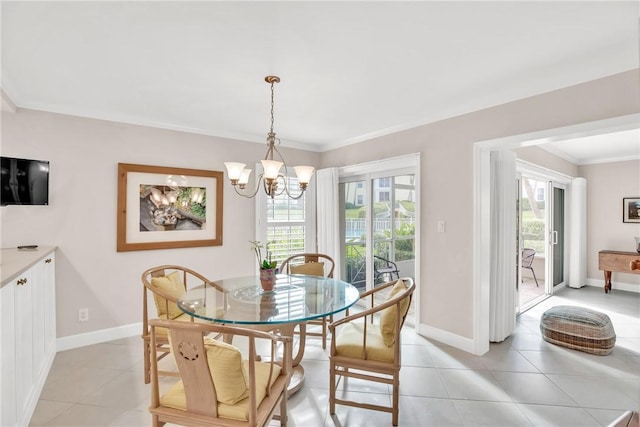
(350, 70)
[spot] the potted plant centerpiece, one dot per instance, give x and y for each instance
(267, 267)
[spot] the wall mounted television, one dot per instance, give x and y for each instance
(24, 181)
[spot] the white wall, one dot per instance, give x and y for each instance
(607, 185)
(447, 181)
(81, 217)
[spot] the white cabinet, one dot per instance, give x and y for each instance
(27, 324)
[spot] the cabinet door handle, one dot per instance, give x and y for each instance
(22, 281)
(47, 261)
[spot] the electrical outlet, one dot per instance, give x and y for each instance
(441, 227)
(83, 315)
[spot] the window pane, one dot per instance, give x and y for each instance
(284, 241)
(283, 208)
(354, 270)
(382, 211)
(533, 214)
(404, 249)
(405, 205)
(286, 223)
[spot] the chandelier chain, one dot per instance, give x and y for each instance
(272, 104)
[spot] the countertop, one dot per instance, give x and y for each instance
(13, 262)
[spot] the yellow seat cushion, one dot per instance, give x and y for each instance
(388, 315)
(309, 268)
(175, 397)
(171, 285)
(349, 342)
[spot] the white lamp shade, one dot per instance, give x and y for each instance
(303, 173)
(271, 168)
(234, 169)
(244, 177)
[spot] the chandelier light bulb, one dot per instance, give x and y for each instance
(234, 170)
(244, 177)
(304, 173)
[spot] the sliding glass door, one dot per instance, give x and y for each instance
(355, 232)
(541, 238)
(378, 228)
(379, 211)
(532, 241)
(557, 241)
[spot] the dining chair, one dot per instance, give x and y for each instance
(312, 264)
(166, 283)
(385, 269)
(217, 386)
(366, 345)
(528, 255)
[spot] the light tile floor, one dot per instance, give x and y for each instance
(523, 381)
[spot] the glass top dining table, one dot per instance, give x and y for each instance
(294, 300)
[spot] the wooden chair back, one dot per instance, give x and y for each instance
(303, 258)
(190, 278)
(328, 267)
(188, 347)
(365, 366)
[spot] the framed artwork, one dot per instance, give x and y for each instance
(162, 207)
(631, 209)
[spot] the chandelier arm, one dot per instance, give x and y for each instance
(249, 196)
(271, 146)
(286, 188)
(284, 185)
(291, 196)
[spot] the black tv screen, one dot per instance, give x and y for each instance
(24, 181)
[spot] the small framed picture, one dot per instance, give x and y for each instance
(631, 209)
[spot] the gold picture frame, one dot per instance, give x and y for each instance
(164, 207)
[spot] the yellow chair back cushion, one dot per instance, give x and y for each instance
(308, 268)
(225, 364)
(388, 316)
(171, 285)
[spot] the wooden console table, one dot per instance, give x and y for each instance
(626, 262)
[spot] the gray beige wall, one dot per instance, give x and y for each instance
(543, 158)
(607, 185)
(81, 217)
(447, 179)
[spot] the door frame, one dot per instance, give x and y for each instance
(481, 205)
(404, 165)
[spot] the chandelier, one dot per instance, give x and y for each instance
(271, 179)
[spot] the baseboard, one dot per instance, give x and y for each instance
(615, 286)
(96, 337)
(446, 337)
